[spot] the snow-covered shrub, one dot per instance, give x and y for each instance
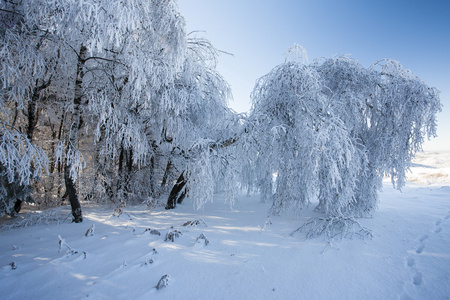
(172, 234)
(152, 231)
(202, 240)
(163, 282)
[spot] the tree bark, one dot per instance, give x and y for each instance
(166, 173)
(73, 196)
(73, 137)
(177, 193)
(32, 115)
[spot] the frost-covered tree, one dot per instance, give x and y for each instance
(302, 147)
(23, 76)
(330, 130)
(142, 41)
(202, 128)
(68, 27)
(20, 162)
(387, 111)
(127, 74)
(135, 103)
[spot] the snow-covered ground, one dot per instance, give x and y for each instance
(248, 256)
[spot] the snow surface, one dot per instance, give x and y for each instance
(248, 255)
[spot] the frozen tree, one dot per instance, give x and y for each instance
(127, 73)
(119, 58)
(72, 28)
(387, 112)
(302, 147)
(202, 127)
(20, 162)
(330, 130)
(23, 75)
(135, 103)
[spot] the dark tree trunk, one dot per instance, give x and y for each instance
(166, 173)
(60, 132)
(18, 206)
(73, 197)
(73, 136)
(32, 115)
(124, 173)
(152, 176)
(32, 112)
(177, 193)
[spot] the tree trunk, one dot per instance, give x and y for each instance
(73, 137)
(32, 115)
(177, 193)
(166, 173)
(73, 196)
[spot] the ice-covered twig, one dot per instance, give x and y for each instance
(90, 231)
(266, 224)
(51, 216)
(62, 243)
(195, 223)
(333, 227)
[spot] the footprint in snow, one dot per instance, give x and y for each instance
(410, 262)
(423, 238)
(420, 249)
(417, 276)
(417, 279)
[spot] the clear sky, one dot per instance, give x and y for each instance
(258, 33)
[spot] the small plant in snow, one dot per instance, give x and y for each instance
(13, 265)
(163, 282)
(202, 240)
(154, 251)
(124, 264)
(266, 224)
(147, 262)
(195, 223)
(152, 231)
(172, 235)
(118, 211)
(90, 231)
(62, 243)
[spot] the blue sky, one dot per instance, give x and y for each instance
(258, 33)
